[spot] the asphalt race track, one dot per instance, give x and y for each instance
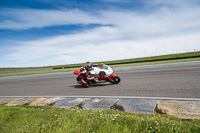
(176, 80)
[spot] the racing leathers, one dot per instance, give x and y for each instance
(84, 76)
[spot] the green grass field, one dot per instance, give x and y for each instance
(146, 59)
(171, 56)
(113, 66)
(36, 119)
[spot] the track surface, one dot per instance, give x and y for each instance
(176, 80)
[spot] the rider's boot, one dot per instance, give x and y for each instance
(84, 83)
(86, 86)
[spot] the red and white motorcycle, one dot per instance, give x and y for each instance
(102, 74)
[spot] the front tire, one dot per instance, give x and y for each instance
(116, 79)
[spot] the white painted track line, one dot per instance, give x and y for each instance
(119, 97)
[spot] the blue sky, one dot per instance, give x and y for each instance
(49, 32)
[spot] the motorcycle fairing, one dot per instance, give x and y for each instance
(76, 72)
(112, 76)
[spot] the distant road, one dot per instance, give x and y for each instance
(175, 80)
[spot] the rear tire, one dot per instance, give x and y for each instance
(116, 79)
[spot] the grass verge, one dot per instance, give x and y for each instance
(37, 72)
(146, 59)
(113, 66)
(48, 119)
(157, 62)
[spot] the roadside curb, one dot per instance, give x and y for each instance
(186, 109)
(180, 109)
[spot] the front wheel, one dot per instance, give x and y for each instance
(116, 79)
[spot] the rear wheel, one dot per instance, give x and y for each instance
(116, 79)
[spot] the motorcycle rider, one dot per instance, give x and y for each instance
(84, 73)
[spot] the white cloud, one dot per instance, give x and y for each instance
(97, 46)
(161, 19)
(132, 34)
(32, 18)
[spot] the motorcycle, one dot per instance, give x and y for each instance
(101, 74)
